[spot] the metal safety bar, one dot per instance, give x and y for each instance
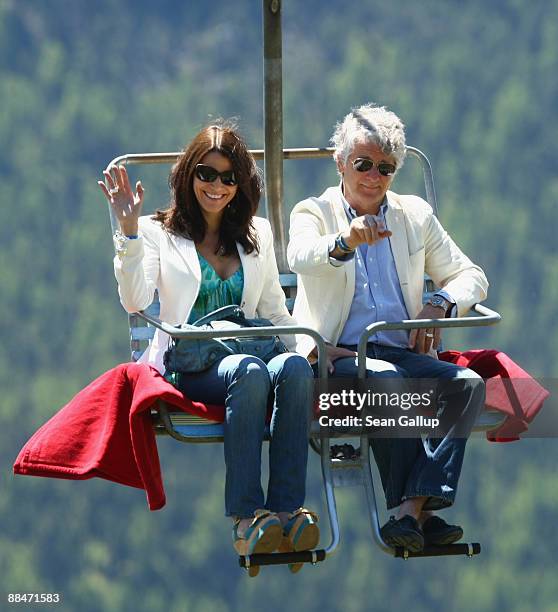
(188, 334)
(244, 332)
(487, 317)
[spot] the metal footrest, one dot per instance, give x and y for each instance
(440, 551)
(303, 556)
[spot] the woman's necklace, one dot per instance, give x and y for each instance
(211, 249)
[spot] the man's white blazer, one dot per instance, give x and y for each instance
(419, 244)
(160, 260)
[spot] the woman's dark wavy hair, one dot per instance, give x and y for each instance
(184, 216)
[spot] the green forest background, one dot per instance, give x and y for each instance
(80, 82)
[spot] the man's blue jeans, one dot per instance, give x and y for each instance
(412, 467)
(245, 384)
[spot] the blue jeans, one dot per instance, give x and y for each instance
(245, 384)
(412, 467)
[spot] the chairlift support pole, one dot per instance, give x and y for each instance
(273, 126)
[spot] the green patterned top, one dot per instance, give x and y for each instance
(214, 291)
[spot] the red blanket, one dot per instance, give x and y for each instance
(106, 431)
(509, 389)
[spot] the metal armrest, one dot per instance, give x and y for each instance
(177, 332)
(486, 317)
(275, 330)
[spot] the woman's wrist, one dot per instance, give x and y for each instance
(129, 230)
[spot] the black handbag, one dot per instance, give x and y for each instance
(191, 356)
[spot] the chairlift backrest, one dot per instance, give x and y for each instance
(141, 333)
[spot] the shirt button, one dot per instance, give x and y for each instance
(375, 284)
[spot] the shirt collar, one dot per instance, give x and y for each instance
(352, 213)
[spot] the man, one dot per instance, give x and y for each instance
(361, 252)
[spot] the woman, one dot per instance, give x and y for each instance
(208, 250)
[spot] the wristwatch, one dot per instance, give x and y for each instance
(439, 302)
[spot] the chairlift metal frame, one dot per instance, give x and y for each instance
(349, 471)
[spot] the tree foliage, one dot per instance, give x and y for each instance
(82, 82)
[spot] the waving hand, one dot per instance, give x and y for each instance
(125, 204)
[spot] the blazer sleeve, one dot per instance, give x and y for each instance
(309, 243)
(137, 270)
(271, 304)
(451, 269)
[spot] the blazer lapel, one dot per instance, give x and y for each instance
(336, 199)
(186, 250)
(340, 215)
(395, 222)
(250, 269)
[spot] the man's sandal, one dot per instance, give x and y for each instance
(263, 535)
(300, 532)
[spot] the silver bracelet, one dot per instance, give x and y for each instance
(120, 243)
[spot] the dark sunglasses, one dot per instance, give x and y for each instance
(208, 174)
(363, 164)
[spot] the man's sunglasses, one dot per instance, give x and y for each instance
(208, 174)
(363, 164)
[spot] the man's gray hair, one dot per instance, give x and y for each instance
(370, 124)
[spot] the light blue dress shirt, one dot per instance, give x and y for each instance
(377, 294)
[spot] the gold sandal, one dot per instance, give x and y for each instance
(263, 535)
(300, 532)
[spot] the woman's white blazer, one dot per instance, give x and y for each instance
(160, 260)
